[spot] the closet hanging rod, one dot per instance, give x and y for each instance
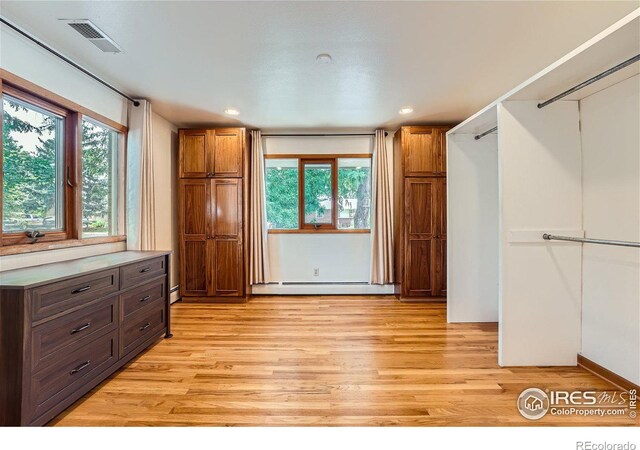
(481, 135)
(551, 237)
(322, 134)
(600, 76)
(67, 60)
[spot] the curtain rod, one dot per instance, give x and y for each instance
(600, 76)
(321, 135)
(67, 60)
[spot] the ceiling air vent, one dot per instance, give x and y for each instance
(91, 32)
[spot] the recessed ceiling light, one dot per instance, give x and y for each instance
(405, 110)
(232, 111)
(324, 58)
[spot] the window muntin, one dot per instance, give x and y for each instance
(354, 193)
(318, 197)
(33, 184)
(99, 179)
(282, 189)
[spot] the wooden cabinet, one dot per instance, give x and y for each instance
(420, 200)
(211, 153)
(65, 327)
(213, 214)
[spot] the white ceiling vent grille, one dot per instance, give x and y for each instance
(94, 35)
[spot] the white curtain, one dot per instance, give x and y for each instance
(258, 250)
(382, 225)
(141, 226)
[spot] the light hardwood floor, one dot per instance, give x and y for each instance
(323, 361)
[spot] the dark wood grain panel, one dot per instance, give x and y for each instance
(141, 272)
(419, 159)
(227, 268)
(142, 296)
(195, 207)
(66, 333)
(420, 209)
(228, 152)
(195, 268)
(418, 267)
(226, 202)
(139, 327)
(54, 382)
(15, 324)
(61, 296)
(193, 153)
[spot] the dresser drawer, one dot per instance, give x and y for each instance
(72, 329)
(141, 272)
(64, 295)
(139, 327)
(142, 296)
(55, 382)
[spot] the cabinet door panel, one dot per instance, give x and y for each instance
(226, 206)
(418, 268)
(227, 271)
(420, 206)
(193, 154)
(440, 149)
(228, 152)
(419, 158)
(194, 229)
(442, 207)
(440, 267)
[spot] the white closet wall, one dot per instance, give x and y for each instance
(611, 193)
(472, 228)
(540, 165)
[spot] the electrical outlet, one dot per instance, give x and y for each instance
(316, 272)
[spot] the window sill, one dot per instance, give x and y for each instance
(56, 245)
(319, 231)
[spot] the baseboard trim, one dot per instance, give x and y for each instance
(606, 374)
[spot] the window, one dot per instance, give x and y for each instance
(60, 176)
(318, 193)
(99, 179)
(33, 159)
(354, 193)
(282, 193)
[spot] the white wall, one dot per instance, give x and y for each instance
(165, 170)
(541, 191)
(472, 228)
(24, 59)
(340, 257)
(611, 184)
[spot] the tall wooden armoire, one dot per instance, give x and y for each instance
(213, 205)
(420, 183)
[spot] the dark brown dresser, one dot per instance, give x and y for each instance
(65, 327)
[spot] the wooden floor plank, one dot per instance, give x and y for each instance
(342, 361)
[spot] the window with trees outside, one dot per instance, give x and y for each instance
(99, 179)
(59, 174)
(318, 193)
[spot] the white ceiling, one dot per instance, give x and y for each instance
(195, 59)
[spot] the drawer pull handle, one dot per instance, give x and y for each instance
(81, 367)
(147, 325)
(82, 289)
(82, 328)
(146, 269)
(145, 298)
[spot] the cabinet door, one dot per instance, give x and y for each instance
(441, 207)
(421, 222)
(440, 150)
(228, 149)
(227, 267)
(193, 154)
(226, 207)
(194, 235)
(439, 265)
(418, 145)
